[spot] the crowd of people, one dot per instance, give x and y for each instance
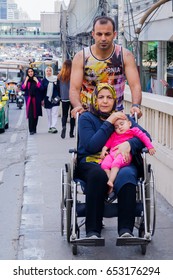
(93, 84)
(48, 93)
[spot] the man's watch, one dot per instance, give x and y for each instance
(136, 105)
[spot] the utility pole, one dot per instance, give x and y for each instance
(63, 30)
(121, 22)
(104, 7)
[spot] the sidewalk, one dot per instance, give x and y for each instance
(40, 235)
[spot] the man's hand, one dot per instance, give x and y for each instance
(136, 110)
(78, 109)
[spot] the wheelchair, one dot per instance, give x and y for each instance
(73, 206)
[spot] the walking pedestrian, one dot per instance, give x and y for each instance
(64, 78)
(104, 62)
(56, 68)
(21, 73)
(33, 98)
(51, 101)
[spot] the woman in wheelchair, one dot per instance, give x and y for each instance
(94, 128)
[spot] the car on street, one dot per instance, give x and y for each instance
(4, 110)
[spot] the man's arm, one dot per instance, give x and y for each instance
(76, 80)
(133, 79)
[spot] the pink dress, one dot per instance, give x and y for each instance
(115, 139)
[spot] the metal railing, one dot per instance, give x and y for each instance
(157, 119)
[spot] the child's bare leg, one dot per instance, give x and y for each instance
(107, 172)
(112, 176)
(110, 189)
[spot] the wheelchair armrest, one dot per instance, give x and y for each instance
(73, 150)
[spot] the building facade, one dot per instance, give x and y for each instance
(50, 22)
(3, 9)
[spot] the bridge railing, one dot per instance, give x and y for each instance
(25, 38)
(27, 33)
(157, 119)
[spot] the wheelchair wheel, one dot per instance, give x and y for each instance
(62, 202)
(150, 201)
(68, 201)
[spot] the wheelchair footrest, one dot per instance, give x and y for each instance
(89, 242)
(131, 241)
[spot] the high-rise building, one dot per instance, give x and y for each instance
(3, 9)
(12, 10)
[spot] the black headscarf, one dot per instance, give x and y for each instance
(32, 88)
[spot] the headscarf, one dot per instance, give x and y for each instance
(51, 79)
(32, 87)
(94, 105)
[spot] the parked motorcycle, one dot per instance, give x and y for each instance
(20, 99)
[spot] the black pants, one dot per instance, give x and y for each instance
(126, 208)
(32, 122)
(65, 110)
(96, 191)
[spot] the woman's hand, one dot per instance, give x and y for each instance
(27, 78)
(35, 79)
(123, 149)
(116, 115)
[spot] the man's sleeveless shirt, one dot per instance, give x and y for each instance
(109, 71)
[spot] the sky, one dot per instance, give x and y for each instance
(35, 7)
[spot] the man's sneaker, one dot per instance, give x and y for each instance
(50, 130)
(54, 130)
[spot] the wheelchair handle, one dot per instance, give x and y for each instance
(73, 150)
(136, 117)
